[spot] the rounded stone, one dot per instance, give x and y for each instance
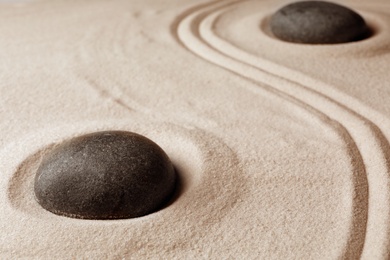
(318, 22)
(105, 175)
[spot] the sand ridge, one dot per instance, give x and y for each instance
(197, 33)
(275, 162)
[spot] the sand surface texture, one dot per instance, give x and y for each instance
(282, 149)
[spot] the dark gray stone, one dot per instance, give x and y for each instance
(105, 175)
(318, 22)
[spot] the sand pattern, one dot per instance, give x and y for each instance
(368, 145)
(277, 158)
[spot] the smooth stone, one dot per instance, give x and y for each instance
(318, 22)
(105, 175)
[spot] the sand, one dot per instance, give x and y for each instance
(282, 149)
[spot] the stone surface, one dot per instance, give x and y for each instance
(105, 175)
(318, 22)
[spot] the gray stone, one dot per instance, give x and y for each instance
(318, 22)
(105, 175)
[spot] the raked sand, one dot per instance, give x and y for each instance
(282, 149)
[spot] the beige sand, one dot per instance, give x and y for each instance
(282, 148)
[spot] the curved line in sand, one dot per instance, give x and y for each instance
(368, 147)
